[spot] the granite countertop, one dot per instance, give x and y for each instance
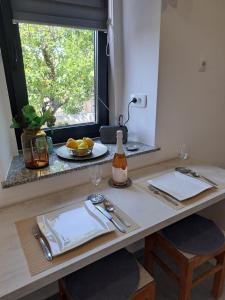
(18, 174)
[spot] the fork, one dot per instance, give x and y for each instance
(37, 235)
(164, 195)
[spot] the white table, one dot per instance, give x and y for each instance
(142, 206)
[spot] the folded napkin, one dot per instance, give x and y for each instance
(178, 185)
(70, 227)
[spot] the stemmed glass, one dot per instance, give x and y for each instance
(95, 175)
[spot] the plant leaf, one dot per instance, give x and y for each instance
(14, 124)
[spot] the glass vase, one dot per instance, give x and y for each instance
(35, 148)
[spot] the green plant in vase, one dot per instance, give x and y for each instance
(33, 139)
(29, 119)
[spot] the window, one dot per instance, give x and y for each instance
(59, 64)
(56, 65)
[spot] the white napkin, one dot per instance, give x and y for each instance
(179, 185)
(72, 226)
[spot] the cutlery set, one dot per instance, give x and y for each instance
(160, 187)
(164, 195)
(110, 208)
(194, 174)
(109, 211)
(120, 227)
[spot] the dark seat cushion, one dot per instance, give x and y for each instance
(113, 277)
(196, 235)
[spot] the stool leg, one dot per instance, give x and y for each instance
(219, 278)
(62, 294)
(185, 282)
(148, 258)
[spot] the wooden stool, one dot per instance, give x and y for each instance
(186, 263)
(145, 289)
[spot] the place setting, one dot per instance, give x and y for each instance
(179, 187)
(54, 237)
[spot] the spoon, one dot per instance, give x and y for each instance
(110, 208)
(187, 171)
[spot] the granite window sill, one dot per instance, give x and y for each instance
(18, 174)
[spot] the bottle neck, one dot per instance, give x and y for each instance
(119, 146)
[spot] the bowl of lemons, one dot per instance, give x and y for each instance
(81, 147)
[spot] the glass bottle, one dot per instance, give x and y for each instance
(119, 163)
(35, 148)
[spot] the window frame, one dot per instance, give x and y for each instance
(11, 49)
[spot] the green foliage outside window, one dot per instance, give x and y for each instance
(59, 66)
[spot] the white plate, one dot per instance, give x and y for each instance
(73, 226)
(178, 185)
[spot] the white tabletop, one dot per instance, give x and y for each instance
(143, 207)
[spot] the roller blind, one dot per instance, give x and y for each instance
(76, 13)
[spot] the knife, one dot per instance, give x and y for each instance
(109, 217)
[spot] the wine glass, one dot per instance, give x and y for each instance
(183, 151)
(95, 175)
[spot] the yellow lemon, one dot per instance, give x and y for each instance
(83, 145)
(89, 142)
(79, 141)
(71, 143)
(82, 148)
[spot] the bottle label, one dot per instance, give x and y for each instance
(119, 175)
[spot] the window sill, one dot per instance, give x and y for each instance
(18, 174)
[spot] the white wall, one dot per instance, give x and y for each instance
(115, 60)
(141, 33)
(7, 136)
(191, 104)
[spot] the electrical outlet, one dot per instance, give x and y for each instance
(141, 100)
